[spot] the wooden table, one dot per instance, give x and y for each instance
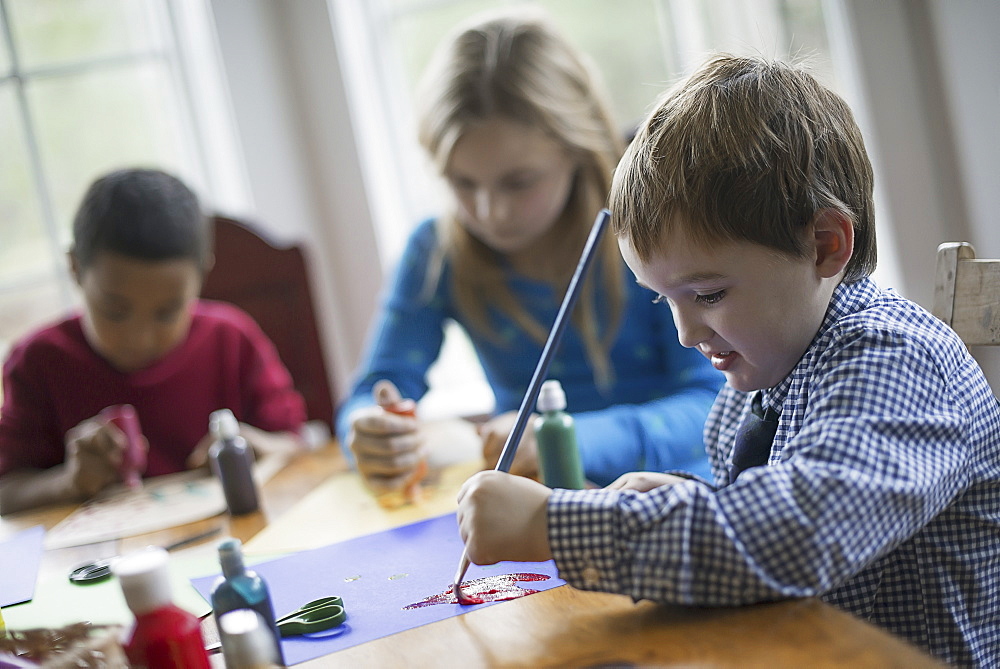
(559, 627)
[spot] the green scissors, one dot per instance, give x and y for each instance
(316, 616)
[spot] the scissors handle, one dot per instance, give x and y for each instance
(315, 616)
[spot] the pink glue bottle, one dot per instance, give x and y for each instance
(133, 463)
(164, 635)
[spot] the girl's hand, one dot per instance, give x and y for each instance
(644, 481)
(494, 433)
(504, 517)
(388, 448)
(94, 451)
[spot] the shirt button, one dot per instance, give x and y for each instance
(591, 576)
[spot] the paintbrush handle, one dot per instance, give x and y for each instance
(555, 335)
(542, 368)
(463, 566)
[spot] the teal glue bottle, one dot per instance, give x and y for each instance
(242, 588)
(555, 435)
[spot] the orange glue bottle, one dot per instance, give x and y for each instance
(389, 399)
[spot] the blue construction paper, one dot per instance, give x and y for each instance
(377, 576)
(20, 556)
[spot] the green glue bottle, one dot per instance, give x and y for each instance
(558, 455)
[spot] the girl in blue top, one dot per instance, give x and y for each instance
(515, 120)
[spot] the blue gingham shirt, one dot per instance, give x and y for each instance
(881, 494)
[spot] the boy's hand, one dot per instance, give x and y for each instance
(504, 517)
(494, 433)
(644, 481)
(388, 447)
(94, 450)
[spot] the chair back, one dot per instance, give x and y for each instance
(967, 294)
(271, 284)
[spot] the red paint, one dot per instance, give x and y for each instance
(482, 590)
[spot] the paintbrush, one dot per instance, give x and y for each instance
(541, 369)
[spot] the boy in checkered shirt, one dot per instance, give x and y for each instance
(855, 445)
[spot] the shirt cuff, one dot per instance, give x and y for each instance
(583, 532)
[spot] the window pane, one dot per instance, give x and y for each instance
(417, 34)
(624, 42)
(24, 249)
(56, 32)
(807, 37)
(25, 308)
(101, 120)
(4, 52)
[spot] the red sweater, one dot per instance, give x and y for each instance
(53, 380)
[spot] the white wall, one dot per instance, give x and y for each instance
(926, 79)
(291, 111)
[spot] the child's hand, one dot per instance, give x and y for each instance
(94, 451)
(494, 433)
(389, 448)
(267, 444)
(264, 444)
(504, 517)
(644, 481)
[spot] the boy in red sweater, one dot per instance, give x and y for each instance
(141, 248)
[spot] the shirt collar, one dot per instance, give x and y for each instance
(847, 298)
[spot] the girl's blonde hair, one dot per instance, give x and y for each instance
(517, 67)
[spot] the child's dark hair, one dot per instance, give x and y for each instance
(746, 149)
(141, 213)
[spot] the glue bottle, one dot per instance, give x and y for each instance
(164, 636)
(232, 462)
(247, 641)
(387, 396)
(555, 434)
(242, 588)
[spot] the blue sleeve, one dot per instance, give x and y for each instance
(407, 334)
(659, 435)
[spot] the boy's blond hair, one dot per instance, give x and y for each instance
(514, 65)
(745, 149)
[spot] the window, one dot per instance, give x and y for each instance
(638, 46)
(86, 86)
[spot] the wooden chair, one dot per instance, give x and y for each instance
(272, 285)
(967, 294)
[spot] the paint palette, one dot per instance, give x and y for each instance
(162, 502)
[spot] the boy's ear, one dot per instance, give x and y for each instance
(833, 235)
(74, 266)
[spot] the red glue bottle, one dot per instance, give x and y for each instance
(164, 635)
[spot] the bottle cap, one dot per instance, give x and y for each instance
(145, 579)
(231, 556)
(223, 424)
(247, 641)
(551, 396)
